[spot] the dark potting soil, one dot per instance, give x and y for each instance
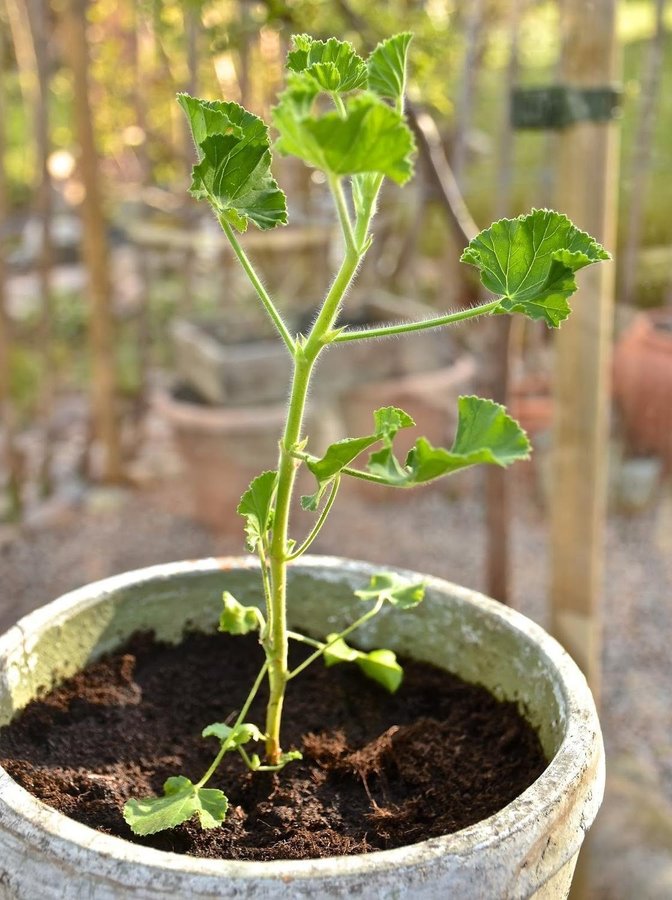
(379, 770)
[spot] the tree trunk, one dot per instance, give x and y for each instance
(467, 84)
(244, 48)
(37, 16)
(640, 162)
(12, 458)
(104, 397)
(442, 175)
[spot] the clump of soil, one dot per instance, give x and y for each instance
(379, 770)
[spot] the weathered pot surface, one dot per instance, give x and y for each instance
(527, 849)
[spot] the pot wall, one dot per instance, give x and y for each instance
(528, 849)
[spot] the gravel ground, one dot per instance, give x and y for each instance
(429, 531)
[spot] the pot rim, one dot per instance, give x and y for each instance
(580, 750)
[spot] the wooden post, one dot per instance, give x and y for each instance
(640, 162)
(104, 389)
(9, 452)
(586, 192)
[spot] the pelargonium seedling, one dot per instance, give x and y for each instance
(344, 115)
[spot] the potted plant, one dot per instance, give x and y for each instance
(343, 115)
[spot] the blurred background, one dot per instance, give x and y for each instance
(141, 388)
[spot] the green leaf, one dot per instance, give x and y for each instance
(256, 507)
(209, 117)
(234, 168)
(387, 422)
(382, 666)
(393, 589)
(379, 665)
(339, 455)
(484, 427)
(235, 737)
(485, 434)
(181, 800)
(290, 756)
(371, 138)
(254, 763)
(364, 190)
(238, 619)
(387, 67)
(311, 502)
(338, 652)
(531, 262)
(332, 64)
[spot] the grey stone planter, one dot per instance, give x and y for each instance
(256, 372)
(528, 849)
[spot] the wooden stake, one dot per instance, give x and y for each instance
(642, 154)
(9, 452)
(104, 388)
(586, 192)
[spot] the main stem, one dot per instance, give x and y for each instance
(277, 636)
(304, 360)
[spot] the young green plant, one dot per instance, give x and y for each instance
(344, 116)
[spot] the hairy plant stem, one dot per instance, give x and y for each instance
(255, 281)
(305, 356)
(321, 520)
(325, 645)
(472, 312)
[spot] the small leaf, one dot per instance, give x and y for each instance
(213, 806)
(238, 619)
(339, 455)
(384, 464)
(255, 506)
(234, 168)
(235, 737)
(387, 422)
(531, 262)
(254, 763)
(382, 666)
(209, 117)
(181, 800)
(379, 665)
(338, 652)
(484, 425)
(290, 756)
(393, 589)
(332, 64)
(387, 67)
(311, 502)
(485, 434)
(371, 137)
(364, 190)
(235, 177)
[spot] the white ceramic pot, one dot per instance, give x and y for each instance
(529, 849)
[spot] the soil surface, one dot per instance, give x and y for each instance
(379, 770)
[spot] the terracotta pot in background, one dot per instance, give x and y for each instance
(531, 404)
(223, 448)
(643, 383)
